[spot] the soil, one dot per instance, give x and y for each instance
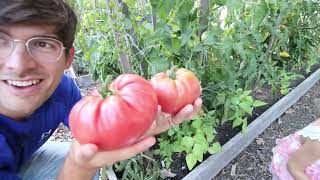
(253, 162)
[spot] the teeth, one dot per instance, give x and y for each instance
(23, 83)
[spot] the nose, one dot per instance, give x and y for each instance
(19, 60)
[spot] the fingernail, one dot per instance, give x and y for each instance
(189, 107)
(151, 141)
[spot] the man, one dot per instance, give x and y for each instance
(36, 38)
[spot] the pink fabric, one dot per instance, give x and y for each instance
(313, 171)
(281, 153)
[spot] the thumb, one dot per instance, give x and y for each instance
(86, 153)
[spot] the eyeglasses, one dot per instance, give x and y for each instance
(41, 49)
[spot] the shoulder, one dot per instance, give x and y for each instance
(67, 90)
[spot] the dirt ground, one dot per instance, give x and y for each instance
(253, 162)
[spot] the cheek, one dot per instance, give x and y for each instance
(54, 73)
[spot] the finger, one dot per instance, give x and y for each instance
(197, 103)
(187, 112)
(159, 111)
(87, 151)
(183, 114)
(82, 153)
(197, 106)
(127, 152)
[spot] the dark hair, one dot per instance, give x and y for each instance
(53, 12)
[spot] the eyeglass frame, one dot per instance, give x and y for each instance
(27, 45)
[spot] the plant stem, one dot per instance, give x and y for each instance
(123, 57)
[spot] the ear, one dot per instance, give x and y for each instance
(70, 57)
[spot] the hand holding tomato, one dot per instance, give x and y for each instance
(165, 121)
(84, 160)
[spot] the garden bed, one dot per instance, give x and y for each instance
(213, 164)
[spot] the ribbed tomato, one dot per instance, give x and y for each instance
(117, 120)
(175, 89)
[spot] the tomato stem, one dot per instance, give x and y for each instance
(105, 91)
(172, 72)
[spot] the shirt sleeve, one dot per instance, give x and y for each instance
(73, 98)
(8, 165)
(311, 131)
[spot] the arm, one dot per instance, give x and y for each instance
(84, 160)
(304, 157)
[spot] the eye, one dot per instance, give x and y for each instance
(43, 44)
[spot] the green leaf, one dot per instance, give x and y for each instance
(237, 122)
(246, 93)
(176, 44)
(200, 139)
(187, 142)
(244, 125)
(127, 23)
(235, 100)
(130, 3)
(198, 48)
(214, 148)
(219, 2)
(246, 107)
(284, 91)
(249, 100)
(233, 5)
(186, 35)
(209, 37)
(191, 161)
(196, 123)
(198, 151)
(170, 132)
(165, 8)
(184, 9)
(258, 103)
(260, 12)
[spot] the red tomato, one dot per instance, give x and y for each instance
(118, 120)
(174, 94)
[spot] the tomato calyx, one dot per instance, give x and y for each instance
(105, 91)
(172, 72)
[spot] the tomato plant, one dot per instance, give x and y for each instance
(175, 89)
(118, 117)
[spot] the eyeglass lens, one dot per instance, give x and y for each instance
(40, 48)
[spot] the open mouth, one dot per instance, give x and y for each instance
(23, 84)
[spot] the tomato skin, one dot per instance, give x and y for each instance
(174, 94)
(120, 119)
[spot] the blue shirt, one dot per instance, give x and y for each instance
(19, 140)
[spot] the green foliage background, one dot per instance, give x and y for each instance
(234, 47)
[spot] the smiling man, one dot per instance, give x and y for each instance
(36, 38)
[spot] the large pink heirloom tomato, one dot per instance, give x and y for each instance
(119, 119)
(175, 89)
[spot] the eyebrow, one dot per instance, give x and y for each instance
(53, 36)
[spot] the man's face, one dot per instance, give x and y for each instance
(27, 82)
